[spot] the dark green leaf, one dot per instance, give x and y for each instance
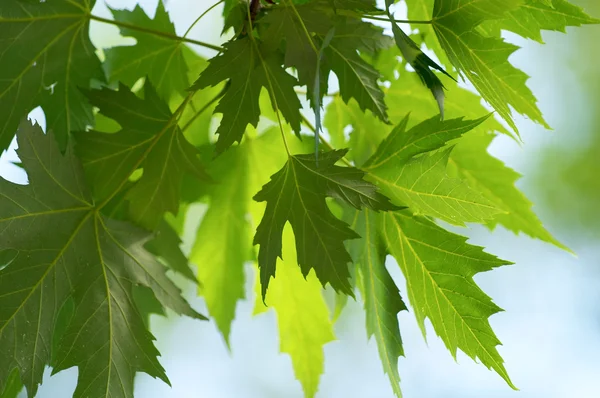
(165, 244)
(66, 248)
(150, 139)
(297, 194)
(248, 72)
(46, 57)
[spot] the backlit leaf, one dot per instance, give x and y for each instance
(159, 58)
(439, 267)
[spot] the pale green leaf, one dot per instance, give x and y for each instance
(158, 58)
(439, 267)
(302, 317)
(484, 60)
(534, 16)
(423, 186)
(488, 175)
(381, 297)
(223, 239)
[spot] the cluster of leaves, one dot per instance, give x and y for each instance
(86, 245)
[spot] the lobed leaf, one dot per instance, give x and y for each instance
(160, 59)
(302, 317)
(484, 60)
(439, 267)
(149, 139)
(296, 194)
(248, 72)
(381, 297)
(66, 248)
(533, 16)
(46, 56)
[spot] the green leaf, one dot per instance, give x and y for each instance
(439, 267)
(534, 16)
(422, 10)
(223, 239)
(47, 56)
(484, 60)
(357, 78)
(302, 317)
(66, 248)
(470, 159)
(420, 62)
(408, 94)
(297, 194)
(165, 244)
(12, 386)
(421, 182)
(484, 173)
(304, 28)
(248, 71)
(402, 145)
(381, 296)
(423, 185)
(159, 58)
(149, 139)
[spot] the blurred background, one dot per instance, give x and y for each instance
(551, 326)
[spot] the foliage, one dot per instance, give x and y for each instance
(87, 244)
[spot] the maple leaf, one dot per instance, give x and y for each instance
(420, 62)
(46, 55)
(470, 159)
(484, 60)
(239, 172)
(67, 250)
(531, 18)
(149, 139)
(486, 174)
(297, 194)
(223, 239)
(302, 317)
(165, 244)
(381, 297)
(304, 27)
(421, 182)
(160, 59)
(421, 10)
(248, 72)
(439, 267)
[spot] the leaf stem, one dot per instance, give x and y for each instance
(415, 22)
(155, 32)
(209, 9)
(312, 128)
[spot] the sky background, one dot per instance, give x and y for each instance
(551, 325)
